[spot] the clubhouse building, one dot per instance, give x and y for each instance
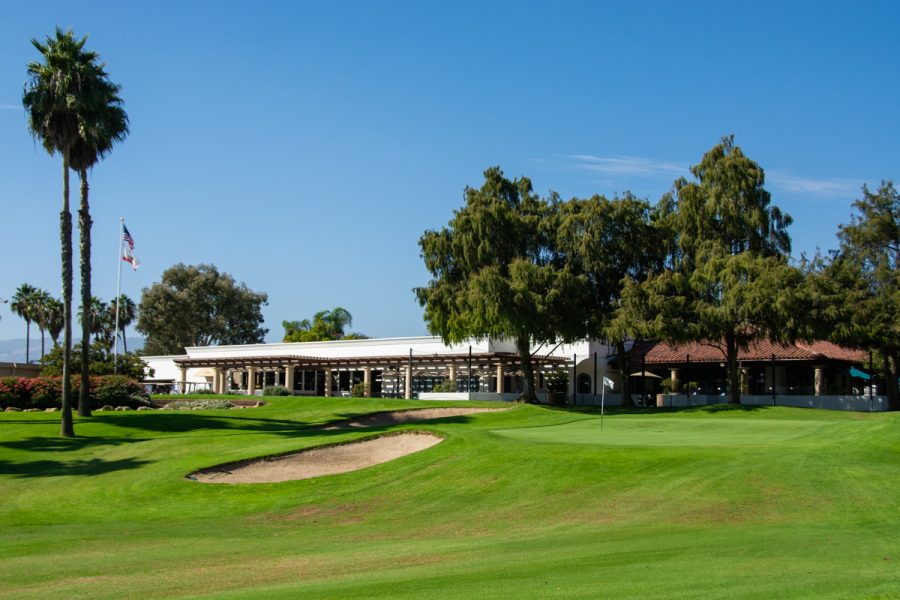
(820, 374)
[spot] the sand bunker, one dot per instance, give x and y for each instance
(383, 419)
(319, 461)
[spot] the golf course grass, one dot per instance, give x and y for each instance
(534, 502)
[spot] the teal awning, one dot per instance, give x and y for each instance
(854, 372)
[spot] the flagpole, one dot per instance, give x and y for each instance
(602, 403)
(118, 293)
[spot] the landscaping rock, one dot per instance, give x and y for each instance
(13, 409)
(32, 410)
(122, 408)
(145, 408)
(51, 409)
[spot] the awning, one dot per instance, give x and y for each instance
(854, 372)
(647, 374)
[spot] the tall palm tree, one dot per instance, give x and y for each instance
(102, 124)
(52, 99)
(24, 304)
(42, 301)
(127, 315)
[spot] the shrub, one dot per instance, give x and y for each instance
(15, 392)
(666, 386)
(276, 390)
(198, 405)
(46, 392)
(445, 386)
(359, 390)
(117, 390)
(557, 381)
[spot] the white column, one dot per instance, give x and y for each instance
(452, 377)
(819, 380)
(327, 383)
(182, 379)
(289, 378)
(367, 380)
(408, 391)
(500, 379)
(251, 380)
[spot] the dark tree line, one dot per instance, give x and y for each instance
(709, 263)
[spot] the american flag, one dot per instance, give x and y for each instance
(128, 250)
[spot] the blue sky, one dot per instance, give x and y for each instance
(303, 147)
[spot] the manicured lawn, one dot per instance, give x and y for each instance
(530, 503)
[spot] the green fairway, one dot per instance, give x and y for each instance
(529, 503)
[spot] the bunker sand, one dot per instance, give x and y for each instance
(319, 461)
(397, 417)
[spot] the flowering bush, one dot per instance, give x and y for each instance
(46, 392)
(15, 392)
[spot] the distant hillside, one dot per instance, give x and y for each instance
(14, 350)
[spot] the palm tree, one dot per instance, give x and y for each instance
(103, 123)
(337, 320)
(97, 323)
(52, 99)
(53, 313)
(24, 304)
(127, 315)
(42, 301)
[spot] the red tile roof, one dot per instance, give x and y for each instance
(760, 350)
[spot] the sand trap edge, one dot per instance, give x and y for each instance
(388, 418)
(224, 473)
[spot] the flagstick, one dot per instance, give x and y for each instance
(602, 402)
(118, 293)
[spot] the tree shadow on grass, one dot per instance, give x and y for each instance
(57, 444)
(622, 410)
(55, 468)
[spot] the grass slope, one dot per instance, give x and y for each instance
(529, 503)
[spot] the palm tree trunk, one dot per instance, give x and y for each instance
(42, 343)
(67, 428)
(124, 342)
(84, 227)
(27, 341)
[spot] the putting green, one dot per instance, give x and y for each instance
(651, 431)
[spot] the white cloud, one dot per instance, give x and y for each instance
(10, 107)
(826, 188)
(624, 165)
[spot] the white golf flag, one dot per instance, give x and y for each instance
(607, 382)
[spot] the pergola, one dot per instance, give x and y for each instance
(410, 365)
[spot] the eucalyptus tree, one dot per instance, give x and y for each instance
(197, 306)
(25, 305)
(857, 293)
(52, 99)
(495, 272)
(729, 281)
(606, 242)
(102, 124)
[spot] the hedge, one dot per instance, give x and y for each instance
(46, 392)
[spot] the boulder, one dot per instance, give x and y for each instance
(13, 409)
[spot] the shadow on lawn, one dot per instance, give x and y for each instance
(52, 468)
(619, 410)
(49, 444)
